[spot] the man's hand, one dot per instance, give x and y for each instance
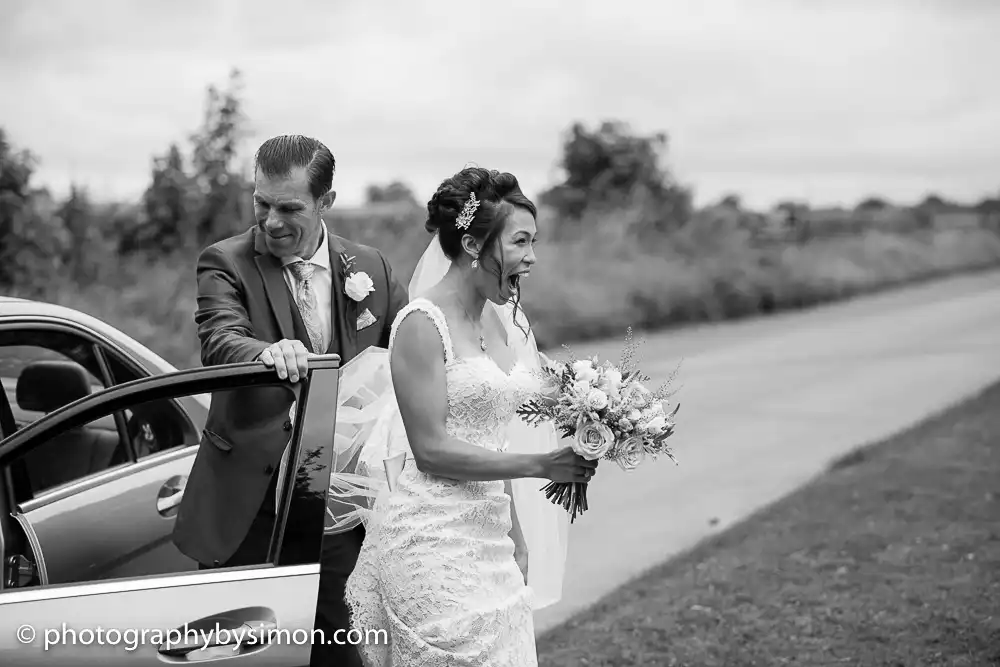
(289, 358)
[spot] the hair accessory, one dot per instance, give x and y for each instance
(464, 218)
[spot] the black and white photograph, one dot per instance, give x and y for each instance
(471, 334)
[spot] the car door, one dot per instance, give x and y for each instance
(64, 601)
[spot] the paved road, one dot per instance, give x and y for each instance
(766, 405)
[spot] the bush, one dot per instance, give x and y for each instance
(593, 286)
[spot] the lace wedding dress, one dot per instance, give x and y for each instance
(437, 569)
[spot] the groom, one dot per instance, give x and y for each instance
(274, 294)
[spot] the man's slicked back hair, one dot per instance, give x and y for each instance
(277, 156)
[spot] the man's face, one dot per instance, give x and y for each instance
(287, 214)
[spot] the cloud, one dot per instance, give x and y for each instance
(770, 99)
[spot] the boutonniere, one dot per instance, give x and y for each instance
(356, 285)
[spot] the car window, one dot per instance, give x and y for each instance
(43, 370)
(39, 379)
(41, 360)
(71, 456)
(158, 426)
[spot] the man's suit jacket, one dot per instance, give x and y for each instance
(244, 305)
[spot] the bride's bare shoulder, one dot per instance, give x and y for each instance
(418, 334)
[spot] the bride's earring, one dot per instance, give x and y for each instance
(475, 263)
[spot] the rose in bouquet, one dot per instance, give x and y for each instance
(608, 412)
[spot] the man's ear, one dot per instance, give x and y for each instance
(326, 201)
(470, 246)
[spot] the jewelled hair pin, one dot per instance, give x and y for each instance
(464, 218)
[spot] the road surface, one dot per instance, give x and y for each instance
(766, 405)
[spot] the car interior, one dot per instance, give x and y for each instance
(46, 386)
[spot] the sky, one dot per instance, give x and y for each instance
(827, 101)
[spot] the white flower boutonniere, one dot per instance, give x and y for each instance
(356, 285)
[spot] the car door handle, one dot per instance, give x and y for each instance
(226, 640)
(170, 495)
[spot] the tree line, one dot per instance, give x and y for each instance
(199, 192)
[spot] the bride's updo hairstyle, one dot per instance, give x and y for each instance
(499, 196)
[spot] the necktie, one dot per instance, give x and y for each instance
(305, 297)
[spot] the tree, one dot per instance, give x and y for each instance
(394, 192)
(84, 236)
(167, 207)
(872, 204)
(33, 242)
(733, 201)
(216, 148)
(610, 167)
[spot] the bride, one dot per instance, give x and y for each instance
(445, 562)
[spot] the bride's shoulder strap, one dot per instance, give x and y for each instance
(436, 316)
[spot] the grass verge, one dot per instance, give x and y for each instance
(891, 558)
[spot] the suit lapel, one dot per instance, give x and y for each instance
(278, 296)
(345, 339)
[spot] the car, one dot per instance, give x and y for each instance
(51, 356)
(98, 437)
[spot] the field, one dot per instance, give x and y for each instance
(586, 285)
(892, 558)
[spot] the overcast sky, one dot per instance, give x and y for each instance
(827, 100)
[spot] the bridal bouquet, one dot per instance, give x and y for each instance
(609, 413)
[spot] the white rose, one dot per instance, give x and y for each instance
(657, 424)
(597, 399)
(612, 381)
(580, 387)
(630, 454)
(634, 416)
(593, 439)
(584, 371)
(358, 286)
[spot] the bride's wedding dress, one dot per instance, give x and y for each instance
(437, 569)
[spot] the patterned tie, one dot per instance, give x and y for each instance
(305, 297)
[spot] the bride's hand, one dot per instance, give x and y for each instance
(565, 465)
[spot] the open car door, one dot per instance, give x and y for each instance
(79, 586)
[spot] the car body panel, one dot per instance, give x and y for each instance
(143, 613)
(121, 506)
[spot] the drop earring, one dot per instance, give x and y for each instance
(475, 263)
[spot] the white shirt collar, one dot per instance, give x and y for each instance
(322, 256)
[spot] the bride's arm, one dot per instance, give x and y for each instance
(418, 376)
